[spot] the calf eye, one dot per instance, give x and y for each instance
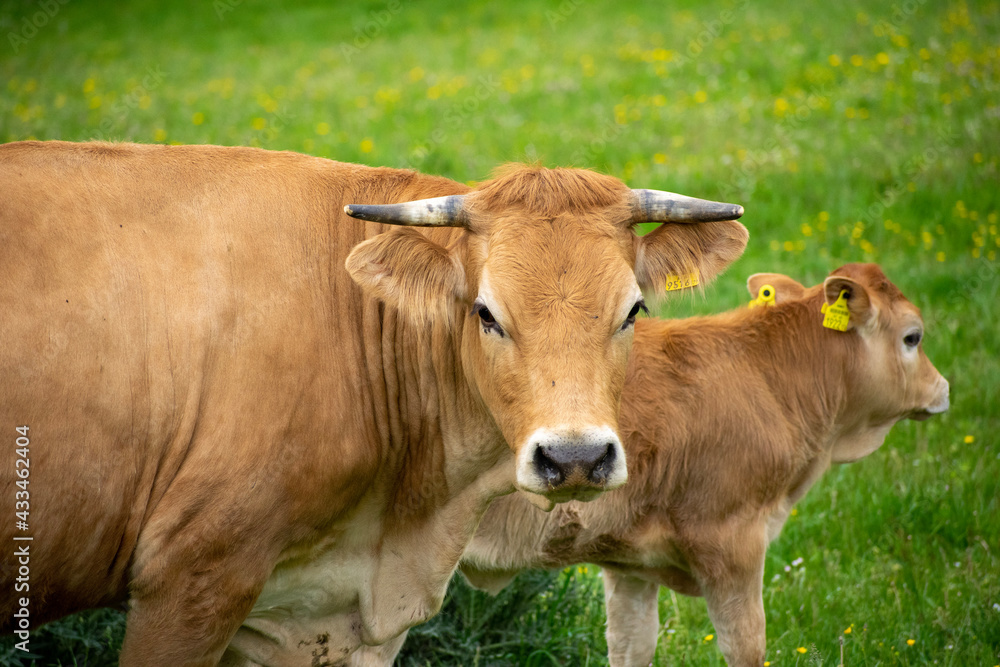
(630, 320)
(487, 320)
(912, 339)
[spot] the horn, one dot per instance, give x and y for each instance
(660, 206)
(437, 212)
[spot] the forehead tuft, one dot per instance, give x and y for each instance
(547, 192)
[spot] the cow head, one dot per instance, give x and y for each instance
(890, 376)
(543, 289)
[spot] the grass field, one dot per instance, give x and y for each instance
(866, 131)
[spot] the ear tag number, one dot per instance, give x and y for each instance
(837, 315)
(683, 281)
(765, 297)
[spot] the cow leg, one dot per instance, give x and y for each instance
(185, 624)
(633, 619)
(196, 573)
(734, 594)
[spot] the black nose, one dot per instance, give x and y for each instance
(590, 464)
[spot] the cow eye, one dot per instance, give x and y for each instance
(912, 339)
(487, 320)
(630, 320)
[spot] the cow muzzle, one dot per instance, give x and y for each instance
(571, 464)
(940, 403)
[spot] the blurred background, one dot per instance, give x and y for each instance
(865, 131)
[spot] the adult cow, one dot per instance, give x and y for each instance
(727, 422)
(228, 433)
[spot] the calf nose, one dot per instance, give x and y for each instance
(591, 462)
(572, 463)
(942, 403)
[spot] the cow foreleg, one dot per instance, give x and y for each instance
(733, 593)
(185, 624)
(633, 619)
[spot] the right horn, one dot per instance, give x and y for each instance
(660, 206)
(448, 211)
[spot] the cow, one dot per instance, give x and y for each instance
(271, 429)
(727, 421)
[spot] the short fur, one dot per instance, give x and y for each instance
(265, 458)
(728, 420)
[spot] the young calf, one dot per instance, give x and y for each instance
(727, 422)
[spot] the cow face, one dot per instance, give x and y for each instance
(906, 382)
(543, 288)
(890, 376)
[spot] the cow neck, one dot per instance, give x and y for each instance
(708, 399)
(439, 467)
(806, 366)
(436, 434)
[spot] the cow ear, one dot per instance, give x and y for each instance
(859, 303)
(674, 250)
(409, 272)
(785, 289)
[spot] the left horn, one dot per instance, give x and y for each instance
(437, 212)
(660, 206)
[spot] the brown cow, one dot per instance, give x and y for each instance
(727, 422)
(258, 452)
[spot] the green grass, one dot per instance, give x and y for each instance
(861, 132)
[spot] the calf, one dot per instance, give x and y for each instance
(726, 421)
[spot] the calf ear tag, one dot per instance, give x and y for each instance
(765, 297)
(681, 281)
(837, 315)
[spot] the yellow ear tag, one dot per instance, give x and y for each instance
(837, 315)
(683, 281)
(765, 297)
